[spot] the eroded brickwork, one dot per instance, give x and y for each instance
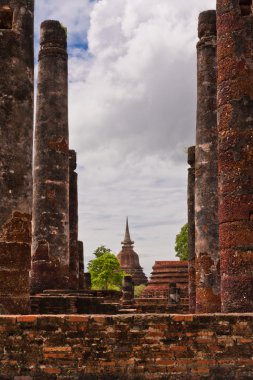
(191, 230)
(127, 291)
(16, 135)
(73, 223)
(82, 281)
(50, 236)
(87, 281)
(190, 347)
(207, 260)
(235, 115)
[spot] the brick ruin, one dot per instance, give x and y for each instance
(129, 260)
(48, 256)
(50, 235)
(191, 230)
(207, 263)
(235, 112)
(167, 288)
(16, 133)
(42, 268)
(127, 347)
(221, 266)
(169, 281)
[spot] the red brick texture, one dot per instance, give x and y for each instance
(126, 347)
(51, 164)
(191, 230)
(207, 261)
(235, 112)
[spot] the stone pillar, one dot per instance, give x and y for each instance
(191, 230)
(235, 115)
(81, 266)
(16, 136)
(127, 291)
(206, 171)
(50, 235)
(73, 224)
(87, 281)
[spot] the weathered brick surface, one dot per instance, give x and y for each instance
(126, 347)
(51, 164)
(82, 282)
(235, 113)
(16, 133)
(191, 229)
(166, 276)
(127, 298)
(72, 304)
(73, 224)
(207, 261)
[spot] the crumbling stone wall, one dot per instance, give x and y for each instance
(128, 347)
(207, 262)
(50, 235)
(16, 135)
(235, 127)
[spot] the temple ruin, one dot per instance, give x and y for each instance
(222, 278)
(169, 282)
(53, 326)
(16, 133)
(129, 260)
(50, 235)
(191, 230)
(207, 264)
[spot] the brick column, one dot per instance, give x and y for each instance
(127, 291)
(73, 224)
(206, 181)
(16, 136)
(50, 240)
(235, 126)
(87, 281)
(82, 283)
(191, 230)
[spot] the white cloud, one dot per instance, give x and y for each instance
(132, 113)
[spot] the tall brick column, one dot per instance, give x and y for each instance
(191, 230)
(16, 136)
(73, 224)
(235, 126)
(50, 235)
(206, 171)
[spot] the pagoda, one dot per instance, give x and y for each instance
(129, 260)
(165, 276)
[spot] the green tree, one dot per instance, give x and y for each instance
(138, 290)
(101, 250)
(181, 244)
(105, 272)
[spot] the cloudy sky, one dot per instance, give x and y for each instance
(132, 104)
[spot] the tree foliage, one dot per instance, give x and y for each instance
(105, 272)
(138, 290)
(101, 250)
(181, 244)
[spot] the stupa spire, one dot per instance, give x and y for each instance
(127, 240)
(129, 260)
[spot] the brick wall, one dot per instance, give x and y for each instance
(126, 347)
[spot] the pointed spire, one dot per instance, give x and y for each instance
(127, 239)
